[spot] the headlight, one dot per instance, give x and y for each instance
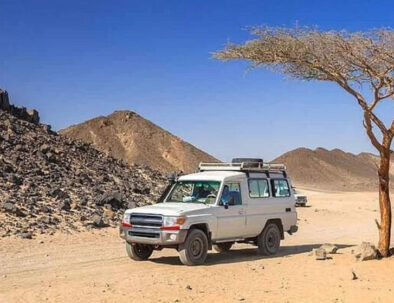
(171, 221)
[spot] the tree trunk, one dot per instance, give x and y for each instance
(384, 203)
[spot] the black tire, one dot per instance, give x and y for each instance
(194, 250)
(223, 247)
(268, 241)
(139, 252)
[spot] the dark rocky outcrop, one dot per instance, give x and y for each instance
(30, 115)
(51, 183)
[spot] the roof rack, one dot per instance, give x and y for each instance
(243, 166)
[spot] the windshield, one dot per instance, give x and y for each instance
(194, 192)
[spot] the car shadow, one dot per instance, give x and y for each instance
(244, 255)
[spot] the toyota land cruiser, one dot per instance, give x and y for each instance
(245, 201)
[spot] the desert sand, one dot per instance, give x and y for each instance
(93, 266)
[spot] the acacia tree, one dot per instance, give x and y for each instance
(360, 63)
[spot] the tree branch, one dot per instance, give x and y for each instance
(369, 129)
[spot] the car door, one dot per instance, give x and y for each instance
(231, 220)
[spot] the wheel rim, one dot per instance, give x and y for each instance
(272, 240)
(141, 250)
(196, 248)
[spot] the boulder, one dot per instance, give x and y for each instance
(46, 128)
(329, 248)
(108, 213)
(59, 194)
(33, 116)
(364, 252)
(9, 207)
(26, 235)
(131, 205)
(45, 148)
(114, 199)
(51, 157)
(320, 254)
(4, 100)
(64, 205)
(98, 221)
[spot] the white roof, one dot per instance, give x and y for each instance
(212, 176)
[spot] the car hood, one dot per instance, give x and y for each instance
(168, 209)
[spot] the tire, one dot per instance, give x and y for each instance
(223, 247)
(195, 249)
(268, 241)
(139, 252)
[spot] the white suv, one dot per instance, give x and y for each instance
(243, 201)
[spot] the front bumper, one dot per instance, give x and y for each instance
(152, 236)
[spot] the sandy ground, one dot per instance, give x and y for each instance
(94, 267)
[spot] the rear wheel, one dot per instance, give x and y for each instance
(223, 247)
(139, 252)
(268, 241)
(195, 249)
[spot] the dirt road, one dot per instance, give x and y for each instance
(93, 267)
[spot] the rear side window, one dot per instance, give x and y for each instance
(280, 188)
(258, 188)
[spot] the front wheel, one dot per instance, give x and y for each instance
(268, 241)
(195, 249)
(139, 252)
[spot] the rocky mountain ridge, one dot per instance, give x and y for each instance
(332, 169)
(51, 183)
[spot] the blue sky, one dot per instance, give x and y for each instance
(74, 60)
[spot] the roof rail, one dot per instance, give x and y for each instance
(243, 166)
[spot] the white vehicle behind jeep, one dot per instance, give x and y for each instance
(245, 201)
(300, 200)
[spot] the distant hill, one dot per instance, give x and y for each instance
(332, 169)
(128, 136)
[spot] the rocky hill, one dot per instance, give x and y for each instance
(128, 136)
(332, 169)
(50, 182)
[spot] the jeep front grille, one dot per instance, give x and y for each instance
(146, 220)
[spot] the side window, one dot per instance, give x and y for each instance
(232, 194)
(280, 188)
(258, 188)
(254, 189)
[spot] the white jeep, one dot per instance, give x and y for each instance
(243, 201)
(300, 200)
